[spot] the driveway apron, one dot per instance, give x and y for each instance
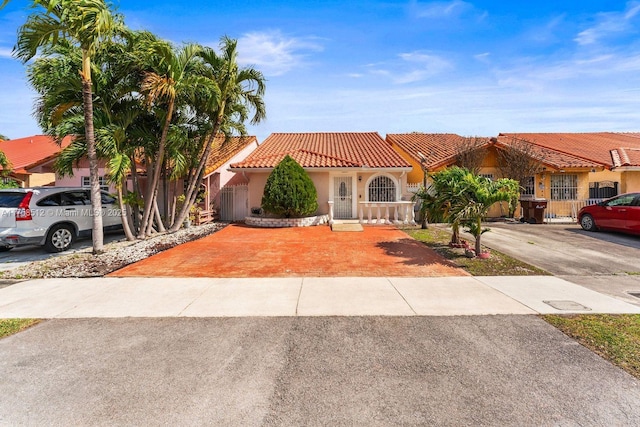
(241, 251)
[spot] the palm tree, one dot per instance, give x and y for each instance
(233, 93)
(85, 23)
(476, 197)
(446, 189)
(173, 76)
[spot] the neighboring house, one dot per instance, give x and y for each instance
(28, 157)
(217, 174)
(356, 175)
(584, 165)
(575, 168)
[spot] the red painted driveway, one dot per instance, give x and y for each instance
(241, 251)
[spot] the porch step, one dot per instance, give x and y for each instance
(346, 227)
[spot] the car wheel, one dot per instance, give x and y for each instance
(587, 223)
(5, 248)
(60, 238)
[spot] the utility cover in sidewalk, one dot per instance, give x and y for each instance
(567, 305)
(346, 227)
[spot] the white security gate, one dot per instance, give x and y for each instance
(342, 197)
(234, 203)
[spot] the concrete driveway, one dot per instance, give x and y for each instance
(603, 261)
(337, 371)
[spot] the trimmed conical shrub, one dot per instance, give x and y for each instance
(289, 191)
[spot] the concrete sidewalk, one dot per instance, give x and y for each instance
(343, 296)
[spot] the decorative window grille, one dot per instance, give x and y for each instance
(86, 182)
(528, 186)
(603, 189)
(564, 187)
(382, 189)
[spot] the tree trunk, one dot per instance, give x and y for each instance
(194, 184)
(138, 193)
(158, 217)
(455, 233)
(96, 198)
(123, 214)
(152, 182)
(479, 231)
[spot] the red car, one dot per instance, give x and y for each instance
(620, 213)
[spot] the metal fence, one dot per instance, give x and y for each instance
(234, 202)
(566, 210)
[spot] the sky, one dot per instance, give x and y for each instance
(465, 67)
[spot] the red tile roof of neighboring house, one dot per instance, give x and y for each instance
(224, 149)
(440, 149)
(550, 157)
(325, 150)
(599, 148)
(31, 151)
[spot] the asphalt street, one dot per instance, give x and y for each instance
(339, 371)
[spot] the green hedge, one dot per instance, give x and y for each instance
(289, 191)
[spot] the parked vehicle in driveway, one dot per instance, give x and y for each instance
(52, 217)
(620, 213)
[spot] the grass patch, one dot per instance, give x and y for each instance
(13, 326)
(498, 264)
(614, 337)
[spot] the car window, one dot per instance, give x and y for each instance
(53, 200)
(11, 199)
(71, 198)
(626, 200)
(107, 199)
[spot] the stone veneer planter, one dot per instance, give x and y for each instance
(265, 222)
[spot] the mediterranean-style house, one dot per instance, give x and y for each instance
(574, 169)
(30, 157)
(357, 175)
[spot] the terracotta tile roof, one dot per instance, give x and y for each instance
(325, 150)
(589, 148)
(440, 149)
(625, 157)
(223, 150)
(550, 157)
(32, 150)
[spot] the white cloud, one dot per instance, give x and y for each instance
(437, 10)
(273, 53)
(412, 67)
(482, 57)
(609, 23)
(5, 52)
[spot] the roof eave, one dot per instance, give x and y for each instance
(331, 169)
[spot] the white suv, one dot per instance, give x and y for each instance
(51, 216)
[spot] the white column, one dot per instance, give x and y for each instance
(330, 212)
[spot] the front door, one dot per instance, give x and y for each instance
(342, 197)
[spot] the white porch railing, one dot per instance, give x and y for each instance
(382, 212)
(565, 210)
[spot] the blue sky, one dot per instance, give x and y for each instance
(466, 67)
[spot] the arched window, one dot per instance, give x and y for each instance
(382, 189)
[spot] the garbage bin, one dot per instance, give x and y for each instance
(533, 210)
